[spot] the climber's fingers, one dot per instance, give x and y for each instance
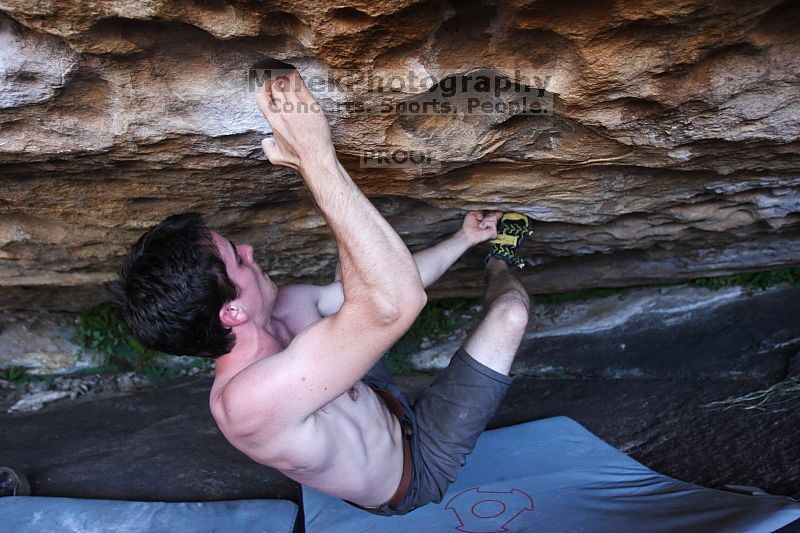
(291, 88)
(266, 102)
(301, 89)
(270, 149)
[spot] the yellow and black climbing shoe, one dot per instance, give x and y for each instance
(512, 228)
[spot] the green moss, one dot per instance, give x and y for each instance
(92, 370)
(102, 330)
(13, 373)
(437, 319)
(753, 280)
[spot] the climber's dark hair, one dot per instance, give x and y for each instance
(171, 287)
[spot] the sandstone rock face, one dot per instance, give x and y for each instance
(669, 149)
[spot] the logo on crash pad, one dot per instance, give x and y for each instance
(486, 511)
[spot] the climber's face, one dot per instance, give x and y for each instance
(257, 292)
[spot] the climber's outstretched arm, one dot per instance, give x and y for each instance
(381, 287)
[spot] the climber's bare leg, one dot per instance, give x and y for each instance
(454, 410)
(506, 305)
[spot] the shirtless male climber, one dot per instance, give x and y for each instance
(300, 384)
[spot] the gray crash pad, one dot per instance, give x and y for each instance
(554, 475)
(29, 514)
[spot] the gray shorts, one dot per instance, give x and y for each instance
(445, 422)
